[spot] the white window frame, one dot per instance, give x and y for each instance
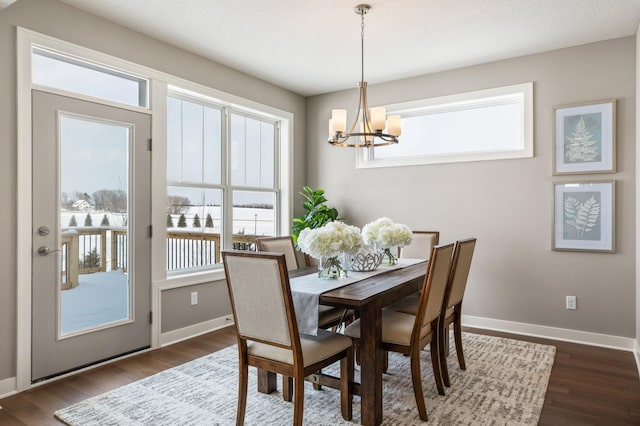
(226, 186)
(522, 92)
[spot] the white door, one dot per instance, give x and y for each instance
(91, 237)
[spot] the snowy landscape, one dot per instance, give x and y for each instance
(99, 299)
(102, 297)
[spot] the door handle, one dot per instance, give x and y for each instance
(44, 250)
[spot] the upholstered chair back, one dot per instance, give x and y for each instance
(280, 245)
(432, 295)
(421, 244)
(257, 284)
(460, 271)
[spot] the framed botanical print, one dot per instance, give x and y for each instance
(585, 138)
(584, 216)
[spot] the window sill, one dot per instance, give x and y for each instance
(186, 280)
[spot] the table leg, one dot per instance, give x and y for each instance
(371, 365)
(267, 382)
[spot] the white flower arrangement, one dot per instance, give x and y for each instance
(384, 233)
(330, 240)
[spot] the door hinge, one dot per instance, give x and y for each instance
(150, 231)
(150, 317)
(150, 146)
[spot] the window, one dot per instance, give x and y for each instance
(74, 75)
(222, 181)
(484, 125)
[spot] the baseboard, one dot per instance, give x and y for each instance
(564, 334)
(8, 387)
(185, 333)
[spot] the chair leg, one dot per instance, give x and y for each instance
(298, 400)
(385, 366)
(435, 363)
(444, 369)
(243, 381)
(416, 378)
(457, 334)
(346, 379)
(317, 386)
(287, 388)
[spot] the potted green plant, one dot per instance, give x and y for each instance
(317, 212)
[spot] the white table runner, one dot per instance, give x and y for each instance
(306, 291)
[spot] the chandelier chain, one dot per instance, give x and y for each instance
(362, 12)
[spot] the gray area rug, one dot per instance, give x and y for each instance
(504, 384)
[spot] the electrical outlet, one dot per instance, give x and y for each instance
(194, 298)
(571, 302)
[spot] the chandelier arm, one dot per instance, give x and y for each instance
(366, 118)
(354, 127)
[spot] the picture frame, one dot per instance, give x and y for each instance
(584, 216)
(585, 138)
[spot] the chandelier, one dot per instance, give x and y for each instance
(370, 128)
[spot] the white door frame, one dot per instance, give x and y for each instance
(25, 40)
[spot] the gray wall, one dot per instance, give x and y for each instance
(59, 20)
(637, 199)
(177, 311)
(506, 204)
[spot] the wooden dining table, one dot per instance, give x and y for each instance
(368, 297)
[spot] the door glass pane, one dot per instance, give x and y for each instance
(94, 202)
(253, 216)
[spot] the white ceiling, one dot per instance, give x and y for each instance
(313, 46)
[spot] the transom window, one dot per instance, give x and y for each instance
(483, 125)
(64, 72)
(222, 181)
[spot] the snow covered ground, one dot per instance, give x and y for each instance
(246, 220)
(99, 298)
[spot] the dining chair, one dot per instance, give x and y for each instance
(283, 244)
(267, 331)
(452, 306)
(328, 316)
(421, 244)
(409, 334)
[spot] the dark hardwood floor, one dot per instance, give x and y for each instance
(588, 385)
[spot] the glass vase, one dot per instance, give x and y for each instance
(331, 268)
(389, 258)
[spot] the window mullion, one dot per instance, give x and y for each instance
(227, 193)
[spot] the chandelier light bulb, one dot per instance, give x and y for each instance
(394, 126)
(378, 115)
(339, 119)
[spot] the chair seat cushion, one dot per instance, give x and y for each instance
(314, 348)
(396, 328)
(408, 305)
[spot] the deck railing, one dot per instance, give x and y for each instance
(84, 250)
(186, 249)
